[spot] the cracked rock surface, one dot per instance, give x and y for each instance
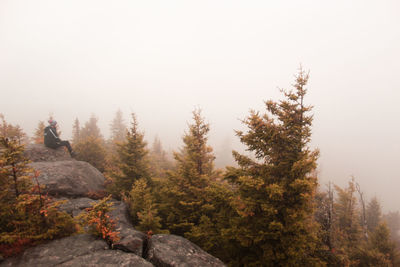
(77, 250)
(69, 178)
(172, 250)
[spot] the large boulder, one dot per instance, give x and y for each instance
(58, 251)
(172, 250)
(39, 152)
(78, 250)
(69, 178)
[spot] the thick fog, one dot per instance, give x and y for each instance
(162, 59)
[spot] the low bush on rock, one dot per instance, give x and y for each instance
(98, 220)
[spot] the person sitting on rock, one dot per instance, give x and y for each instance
(52, 140)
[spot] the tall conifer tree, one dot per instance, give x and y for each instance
(76, 131)
(392, 220)
(184, 195)
(118, 128)
(132, 163)
(275, 189)
(348, 229)
(158, 156)
(91, 129)
(143, 208)
(373, 214)
(118, 135)
(91, 145)
(379, 250)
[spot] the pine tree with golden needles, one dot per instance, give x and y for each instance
(275, 188)
(184, 199)
(143, 208)
(132, 163)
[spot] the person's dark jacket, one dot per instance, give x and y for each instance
(51, 138)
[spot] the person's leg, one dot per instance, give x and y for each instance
(68, 145)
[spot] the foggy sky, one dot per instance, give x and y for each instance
(161, 59)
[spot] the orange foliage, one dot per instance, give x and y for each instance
(149, 234)
(104, 225)
(10, 250)
(99, 221)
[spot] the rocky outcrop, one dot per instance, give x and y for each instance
(69, 178)
(172, 250)
(75, 182)
(78, 250)
(39, 153)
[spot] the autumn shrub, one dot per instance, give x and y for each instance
(34, 219)
(99, 222)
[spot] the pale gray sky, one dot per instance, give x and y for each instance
(160, 59)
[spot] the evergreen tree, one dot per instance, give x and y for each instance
(10, 131)
(274, 192)
(348, 231)
(91, 145)
(118, 133)
(15, 170)
(76, 132)
(392, 220)
(379, 250)
(118, 128)
(143, 208)
(38, 137)
(184, 199)
(15, 180)
(343, 220)
(373, 214)
(215, 218)
(157, 147)
(26, 216)
(91, 130)
(132, 163)
(159, 161)
(380, 241)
